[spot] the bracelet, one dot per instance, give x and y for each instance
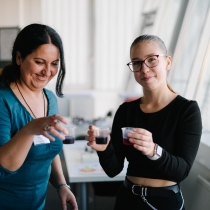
(60, 185)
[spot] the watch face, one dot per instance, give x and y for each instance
(159, 150)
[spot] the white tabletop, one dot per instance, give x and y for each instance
(84, 166)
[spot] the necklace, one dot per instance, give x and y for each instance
(27, 103)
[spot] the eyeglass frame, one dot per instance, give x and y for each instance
(128, 64)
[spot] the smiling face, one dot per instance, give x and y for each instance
(150, 78)
(39, 67)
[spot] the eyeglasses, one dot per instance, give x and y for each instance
(150, 62)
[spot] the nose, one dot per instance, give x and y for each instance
(47, 70)
(144, 68)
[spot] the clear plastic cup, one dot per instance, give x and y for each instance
(125, 137)
(101, 135)
(70, 138)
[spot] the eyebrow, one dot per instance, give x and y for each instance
(44, 59)
(145, 57)
(135, 59)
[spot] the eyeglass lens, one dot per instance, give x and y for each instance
(150, 62)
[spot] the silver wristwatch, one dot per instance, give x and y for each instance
(157, 153)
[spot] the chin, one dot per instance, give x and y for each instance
(150, 87)
(39, 86)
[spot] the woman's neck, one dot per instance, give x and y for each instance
(157, 97)
(153, 101)
(26, 90)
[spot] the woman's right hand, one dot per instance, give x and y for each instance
(92, 140)
(48, 125)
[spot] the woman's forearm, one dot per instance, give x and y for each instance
(14, 152)
(57, 176)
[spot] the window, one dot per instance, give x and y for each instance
(186, 49)
(7, 37)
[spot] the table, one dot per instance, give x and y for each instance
(82, 169)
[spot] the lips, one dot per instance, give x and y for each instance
(146, 78)
(41, 77)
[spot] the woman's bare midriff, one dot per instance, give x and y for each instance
(150, 182)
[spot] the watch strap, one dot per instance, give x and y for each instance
(157, 153)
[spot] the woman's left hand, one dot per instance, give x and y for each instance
(142, 140)
(67, 196)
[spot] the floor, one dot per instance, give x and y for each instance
(94, 202)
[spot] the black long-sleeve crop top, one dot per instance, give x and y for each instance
(177, 128)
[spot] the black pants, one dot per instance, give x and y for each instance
(126, 200)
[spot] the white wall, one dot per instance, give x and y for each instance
(18, 13)
(9, 13)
